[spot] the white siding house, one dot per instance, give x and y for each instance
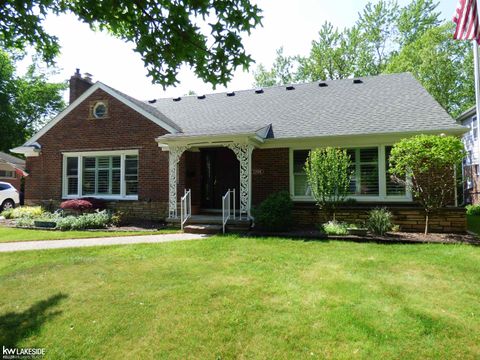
(471, 163)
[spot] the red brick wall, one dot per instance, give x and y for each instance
(124, 128)
(270, 173)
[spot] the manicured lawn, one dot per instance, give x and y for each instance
(230, 297)
(13, 235)
(473, 223)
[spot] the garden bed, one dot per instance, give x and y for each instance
(396, 237)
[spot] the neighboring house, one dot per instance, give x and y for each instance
(471, 163)
(12, 170)
(142, 155)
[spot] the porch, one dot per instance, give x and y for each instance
(210, 181)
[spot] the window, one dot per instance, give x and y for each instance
(7, 174)
(99, 110)
(72, 175)
(4, 187)
(100, 175)
(474, 127)
(299, 177)
(393, 188)
(364, 179)
(370, 179)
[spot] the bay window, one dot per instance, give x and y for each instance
(102, 174)
(370, 179)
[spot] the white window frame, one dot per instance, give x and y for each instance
(81, 155)
(382, 183)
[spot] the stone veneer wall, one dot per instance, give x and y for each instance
(409, 218)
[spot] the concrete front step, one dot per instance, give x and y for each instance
(203, 229)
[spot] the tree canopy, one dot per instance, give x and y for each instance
(26, 102)
(203, 34)
(386, 38)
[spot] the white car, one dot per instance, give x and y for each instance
(9, 196)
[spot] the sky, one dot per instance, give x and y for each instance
(292, 24)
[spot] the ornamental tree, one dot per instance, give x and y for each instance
(205, 35)
(328, 175)
(425, 165)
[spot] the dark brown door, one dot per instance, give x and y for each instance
(220, 172)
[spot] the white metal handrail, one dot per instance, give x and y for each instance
(185, 207)
(227, 210)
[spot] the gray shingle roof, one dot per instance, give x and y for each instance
(381, 104)
(13, 160)
(150, 109)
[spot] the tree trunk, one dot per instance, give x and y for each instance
(426, 223)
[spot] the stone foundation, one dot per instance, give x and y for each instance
(409, 218)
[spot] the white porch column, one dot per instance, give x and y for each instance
(244, 156)
(174, 154)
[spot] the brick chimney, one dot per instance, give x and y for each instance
(79, 84)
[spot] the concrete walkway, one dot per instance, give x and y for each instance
(120, 240)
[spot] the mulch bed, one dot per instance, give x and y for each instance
(390, 238)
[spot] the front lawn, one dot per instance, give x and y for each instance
(231, 297)
(14, 235)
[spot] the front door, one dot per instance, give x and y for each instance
(220, 172)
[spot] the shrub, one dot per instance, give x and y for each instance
(96, 220)
(275, 212)
(335, 228)
(328, 173)
(23, 212)
(379, 221)
(83, 205)
(471, 210)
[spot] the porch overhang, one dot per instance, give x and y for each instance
(241, 143)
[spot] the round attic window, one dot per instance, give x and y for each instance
(100, 110)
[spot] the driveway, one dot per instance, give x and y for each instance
(120, 240)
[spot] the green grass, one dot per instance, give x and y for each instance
(230, 297)
(473, 223)
(14, 235)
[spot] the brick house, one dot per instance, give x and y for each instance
(12, 170)
(141, 156)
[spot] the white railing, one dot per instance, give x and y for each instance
(185, 207)
(227, 208)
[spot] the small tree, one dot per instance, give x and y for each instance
(328, 174)
(425, 165)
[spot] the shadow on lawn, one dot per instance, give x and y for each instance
(14, 326)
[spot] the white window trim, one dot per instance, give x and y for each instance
(382, 197)
(81, 155)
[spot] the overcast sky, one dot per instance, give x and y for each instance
(287, 23)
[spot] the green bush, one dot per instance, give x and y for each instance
(335, 228)
(23, 212)
(379, 221)
(473, 209)
(96, 220)
(275, 212)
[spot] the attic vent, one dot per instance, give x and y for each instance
(357, 81)
(259, 91)
(201, 97)
(177, 99)
(322, 84)
(152, 101)
(231, 93)
(290, 87)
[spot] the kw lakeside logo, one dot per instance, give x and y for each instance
(22, 353)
